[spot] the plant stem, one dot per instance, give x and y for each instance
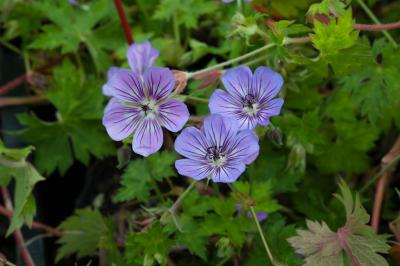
(379, 174)
(6, 262)
(177, 203)
(379, 27)
(232, 61)
(264, 240)
(198, 99)
(124, 21)
(10, 46)
(177, 33)
(19, 239)
(372, 16)
(254, 215)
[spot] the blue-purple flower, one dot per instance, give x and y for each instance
(140, 103)
(140, 57)
(219, 150)
(250, 98)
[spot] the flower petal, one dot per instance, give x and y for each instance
(125, 85)
(193, 168)
(238, 81)
(173, 114)
(110, 72)
(120, 121)
(191, 143)
(148, 137)
(266, 84)
(159, 81)
(228, 105)
(141, 56)
(228, 173)
(223, 103)
(246, 121)
(244, 148)
(219, 130)
(271, 108)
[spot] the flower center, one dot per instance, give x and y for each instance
(250, 105)
(215, 155)
(148, 107)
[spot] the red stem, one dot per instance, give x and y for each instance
(381, 185)
(124, 21)
(22, 78)
(17, 233)
(388, 26)
(35, 225)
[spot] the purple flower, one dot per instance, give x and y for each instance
(250, 97)
(140, 57)
(140, 105)
(261, 216)
(219, 150)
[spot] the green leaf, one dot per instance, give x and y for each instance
(13, 164)
(330, 38)
(84, 233)
(77, 133)
(140, 176)
(328, 7)
(261, 193)
(187, 15)
(72, 25)
(148, 247)
(355, 241)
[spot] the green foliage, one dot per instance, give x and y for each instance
(187, 14)
(328, 7)
(340, 117)
(375, 87)
(85, 232)
(355, 241)
(141, 174)
(77, 133)
(149, 247)
(72, 25)
(330, 38)
(13, 164)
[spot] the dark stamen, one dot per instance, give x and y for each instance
(214, 153)
(249, 100)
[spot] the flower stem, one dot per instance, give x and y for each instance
(264, 240)
(177, 203)
(372, 16)
(380, 173)
(198, 99)
(254, 215)
(232, 61)
(177, 33)
(124, 21)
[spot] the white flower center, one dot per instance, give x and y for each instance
(250, 105)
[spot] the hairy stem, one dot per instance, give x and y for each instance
(372, 16)
(264, 240)
(197, 99)
(232, 61)
(380, 173)
(177, 203)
